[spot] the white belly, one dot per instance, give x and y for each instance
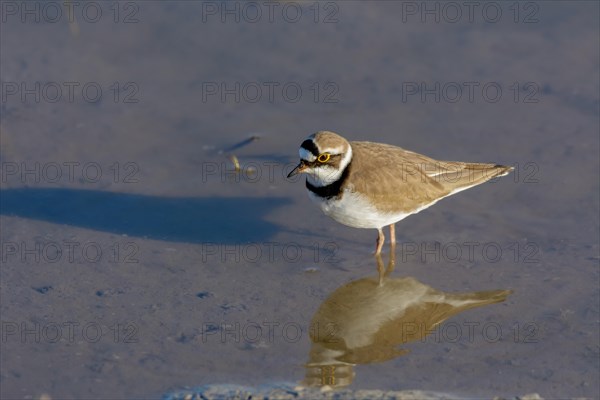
(354, 210)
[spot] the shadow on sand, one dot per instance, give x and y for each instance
(187, 219)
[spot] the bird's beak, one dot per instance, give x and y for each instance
(298, 170)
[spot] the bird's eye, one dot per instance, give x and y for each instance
(323, 158)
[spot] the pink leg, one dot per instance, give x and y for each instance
(392, 234)
(380, 240)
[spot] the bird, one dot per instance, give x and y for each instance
(370, 185)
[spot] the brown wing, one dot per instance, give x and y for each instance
(404, 181)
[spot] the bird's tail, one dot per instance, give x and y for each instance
(457, 176)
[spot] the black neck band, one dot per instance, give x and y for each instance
(333, 189)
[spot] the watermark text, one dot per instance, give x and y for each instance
(52, 172)
(452, 12)
(68, 331)
(269, 92)
(470, 92)
(69, 92)
(469, 251)
(69, 252)
(268, 252)
(270, 11)
(51, 12)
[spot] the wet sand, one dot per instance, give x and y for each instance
(148, 266)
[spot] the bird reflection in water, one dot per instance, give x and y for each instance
(365, 321)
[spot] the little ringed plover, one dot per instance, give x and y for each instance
(373, 185)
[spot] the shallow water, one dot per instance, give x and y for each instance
(136, 262)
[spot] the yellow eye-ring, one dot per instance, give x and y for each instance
(323, 158)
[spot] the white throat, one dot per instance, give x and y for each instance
(326, 175)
